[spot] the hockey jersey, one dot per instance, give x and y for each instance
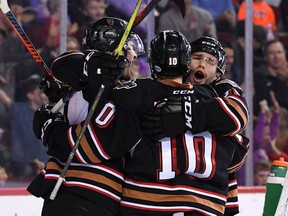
(97, 169)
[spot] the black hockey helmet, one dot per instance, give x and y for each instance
(169, 54)
(213, 47)
(103, 33)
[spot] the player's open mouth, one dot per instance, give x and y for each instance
(198, 76)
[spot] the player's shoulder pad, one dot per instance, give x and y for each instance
(224, 85)
(68, 60)
(67, 65)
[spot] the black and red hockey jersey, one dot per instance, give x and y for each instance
(98, 182)
(188, 172)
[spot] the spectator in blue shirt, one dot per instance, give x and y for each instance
(28, 156)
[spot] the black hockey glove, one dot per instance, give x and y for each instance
(44, 121)
(52, 89)
(167, 118)
(103, 68)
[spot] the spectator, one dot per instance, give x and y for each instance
(27, 153)
(280, 145)
(93, 10)
(272, 75)
(16, 6)
(197, 21)
(53, 38)
(41, 7)
(266, 129)
(33, 24)
(231, 71)
(259, 40)
(217, 9)
(223, 13)
(263, 14)
(261, 173)
(73, 43)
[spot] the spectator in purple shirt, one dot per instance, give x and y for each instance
(266, 129)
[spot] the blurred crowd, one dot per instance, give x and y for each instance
(22, 156)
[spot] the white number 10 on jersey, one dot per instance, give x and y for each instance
(195, 159)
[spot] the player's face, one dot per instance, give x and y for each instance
(203, 68)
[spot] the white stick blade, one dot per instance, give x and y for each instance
(4, 6)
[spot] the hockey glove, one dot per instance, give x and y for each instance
(103, 68)
(44, 121)
(52, 89)
(166, 119)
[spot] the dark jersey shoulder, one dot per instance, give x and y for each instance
(68, 68)
(224, 85)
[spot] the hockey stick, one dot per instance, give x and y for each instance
(20, 32)
(91, 111)
(77, 143)
(128, 29)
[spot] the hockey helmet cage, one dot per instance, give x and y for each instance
(169, 54)
(104, 32)
(213, 47)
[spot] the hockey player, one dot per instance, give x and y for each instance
(90, 188)
(201, 72)
(206, 67)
